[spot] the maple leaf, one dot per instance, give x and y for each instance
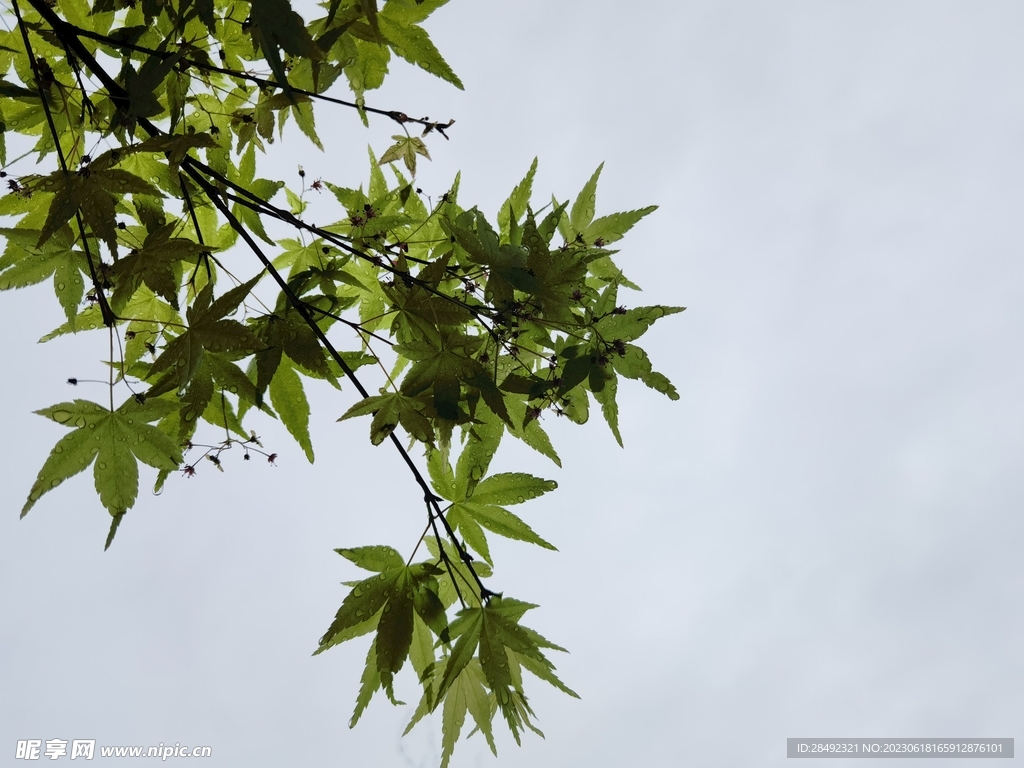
(480, 503)
(405, 148)
(390, 600)
(389, 410)
(156, 265)
(494, 630)
(276, 27)
(24, 263)
(116, 441)
(93, 192)
(207, 329)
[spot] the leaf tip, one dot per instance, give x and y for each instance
(114, 524)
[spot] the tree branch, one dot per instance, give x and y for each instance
(68, 34)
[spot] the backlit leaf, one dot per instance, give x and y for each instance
(115, 441)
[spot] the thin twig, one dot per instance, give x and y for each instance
(399, 117)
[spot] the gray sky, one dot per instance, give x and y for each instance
(821, 538)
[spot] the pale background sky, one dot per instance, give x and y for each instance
(821, 538)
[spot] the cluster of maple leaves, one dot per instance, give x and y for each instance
(475, 330)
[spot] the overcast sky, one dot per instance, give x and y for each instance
(821, 538)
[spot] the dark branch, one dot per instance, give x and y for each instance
(262, 82)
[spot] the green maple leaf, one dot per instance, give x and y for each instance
(530, 431)
(492, 634)
(116, 441)
(468, 693)
(244, 175)
(216, 372)
(298, 257)
(441, 367)
(276, 27)
(608, 229)
(633, 323)
(584, 207)
(508, 268)
(413, 44)
(175, 148)
(286, 336)
(606, 354)
(518, 200)
(156, 264)
(289, 399)
(207, 329)
(388, 602)
(420, 313)
(24, 263)
(315, 264)
(405, 148)
(635, 364)
(480, 504)
(560, 275)
(142, 86)
(93, 192)
(286, 333)
(389, 410)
